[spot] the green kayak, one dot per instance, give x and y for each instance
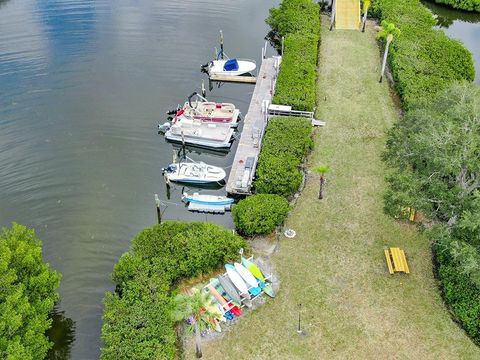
(255, 270)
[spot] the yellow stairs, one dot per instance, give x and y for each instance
(347, 14)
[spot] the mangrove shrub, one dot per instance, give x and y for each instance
(259, 214)
(137, 319)
(468, 5)
(27, 295)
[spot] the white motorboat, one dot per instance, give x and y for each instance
(199, 133)
(207, 111)
(204, 199)
(193, 172)
(233, 67)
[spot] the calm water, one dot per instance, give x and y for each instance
(461, 25)
(82, 86)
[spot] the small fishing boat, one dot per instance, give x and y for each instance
(232, 67)
(202, 199)
(199, 108)
(196, 132)
(193, 172)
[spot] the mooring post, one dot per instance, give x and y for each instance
(221, 44)
(183, 146)
(159, 213)
(204, 92)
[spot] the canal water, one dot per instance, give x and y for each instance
(83, 84)
(461, 25)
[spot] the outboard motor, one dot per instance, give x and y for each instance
(163, 128)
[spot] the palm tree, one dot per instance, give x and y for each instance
(200, 313)
(388, 31)
(366, 5)
(322, 170)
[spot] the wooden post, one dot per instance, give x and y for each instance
(159, 213)
(204, 92)
(221, 44)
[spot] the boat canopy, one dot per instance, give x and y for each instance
(231, 65)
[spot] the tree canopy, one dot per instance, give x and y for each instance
(27, 295)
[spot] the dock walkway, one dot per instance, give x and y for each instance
(246, 158)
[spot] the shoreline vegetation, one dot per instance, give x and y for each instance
(27, 295)
(466, 5)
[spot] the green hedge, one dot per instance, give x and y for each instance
(259, 214)
(423, 60)
(295, 16)
(296, 84)
(468, 5)
(299, 22)
(137, 316)
(287, 140)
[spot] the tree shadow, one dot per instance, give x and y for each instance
(62, 334)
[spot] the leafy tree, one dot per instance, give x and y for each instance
(438, 145)
(27, 295)
(389, 30)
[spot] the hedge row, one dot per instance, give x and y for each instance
(259, 214)
(286, 141)
(468, 5)
(138, 321)
(423, 60)
(299, 22)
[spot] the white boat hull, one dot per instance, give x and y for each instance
(244, 67)
(194, 173)
(196, 198)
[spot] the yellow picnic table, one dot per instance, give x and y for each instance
(396, 260)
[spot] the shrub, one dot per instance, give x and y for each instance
(27, 295)
(459, 273)
(423, 60)
(137, 317)
(294, 16)
(299, 22)
(259, 214)
(287, 140)
(468, 5)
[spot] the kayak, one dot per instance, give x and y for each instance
(234, 309)
(229, 289)
(237, 280)
(254, 269)
(248, 278)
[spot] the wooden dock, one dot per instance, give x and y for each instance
(233, 79)
(246, 158)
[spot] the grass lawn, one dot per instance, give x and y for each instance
(335, 267)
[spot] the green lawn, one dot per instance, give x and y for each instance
(335, 267)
